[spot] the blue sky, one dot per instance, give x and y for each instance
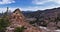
(31, 5)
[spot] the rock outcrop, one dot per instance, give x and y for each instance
(17, 19)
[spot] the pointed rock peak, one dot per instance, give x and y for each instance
(17, 10)
(18, 14)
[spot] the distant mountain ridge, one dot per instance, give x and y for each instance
(39, 12)
(46, 16)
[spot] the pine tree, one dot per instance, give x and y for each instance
(4, 21)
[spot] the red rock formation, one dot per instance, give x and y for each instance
(17, 19)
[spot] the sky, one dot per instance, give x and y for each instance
(28, 5)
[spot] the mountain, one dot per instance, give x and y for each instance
(17, 19)
(41, 12)
(45, 17)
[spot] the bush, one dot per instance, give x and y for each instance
(19, 29)
(3, 24)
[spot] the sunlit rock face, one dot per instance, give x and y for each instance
(17, 19)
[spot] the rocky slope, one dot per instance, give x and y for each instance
(17, 19)
(45, 17)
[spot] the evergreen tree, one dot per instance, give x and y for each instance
(4, 22)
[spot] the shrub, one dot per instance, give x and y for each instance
(19, 29)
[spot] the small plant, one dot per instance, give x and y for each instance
(19, 29)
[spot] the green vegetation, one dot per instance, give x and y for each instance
(4, 22)
(19, 29)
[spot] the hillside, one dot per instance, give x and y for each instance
(36, 21)
(18, 20)
(41, 12)
(45, 17)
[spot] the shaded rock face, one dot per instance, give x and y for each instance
(17, 19)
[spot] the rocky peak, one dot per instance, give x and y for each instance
(18, 19)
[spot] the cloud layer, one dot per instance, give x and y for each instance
(38, 5)
(44, 4)
(10, 9)
(38, 2)
(7, 1)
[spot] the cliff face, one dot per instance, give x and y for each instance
(18, 19)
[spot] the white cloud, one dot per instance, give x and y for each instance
(22, 9)
(56, 1)
(38, 8)
(38, 2)
(46, 4)
(35, 8)
(30, 8)
(7, 1)
(10, 9)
